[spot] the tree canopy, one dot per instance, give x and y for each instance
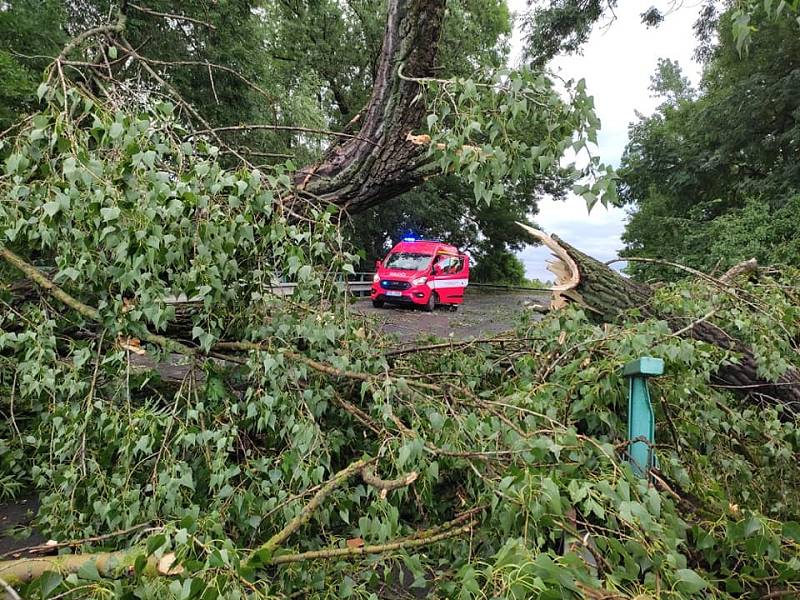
(714, 176)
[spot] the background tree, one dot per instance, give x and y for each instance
(701, 171)
(31, 31)
(445, 208)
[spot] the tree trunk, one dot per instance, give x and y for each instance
(381, 162)
(606, 295)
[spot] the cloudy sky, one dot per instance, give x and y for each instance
(617, 63)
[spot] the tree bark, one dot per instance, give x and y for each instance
(606, 295)
(381, 162)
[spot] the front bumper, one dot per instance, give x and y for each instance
(417, 294)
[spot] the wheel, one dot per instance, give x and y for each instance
(454, 308)
(431, 303)
(377, 303)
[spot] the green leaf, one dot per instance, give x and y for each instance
(51, 208)
(751, 526)
(109, 213)
(48, 582)
(70, 273)
(791, 530)
(88, 571)
(403, 455)
(346, 587)
(42, 90)
(155, 542)
(689, 581)
(116, 130)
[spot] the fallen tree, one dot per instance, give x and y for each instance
(241, 475)
(490, 456)
(582, 280)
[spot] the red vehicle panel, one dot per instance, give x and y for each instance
(422, 273)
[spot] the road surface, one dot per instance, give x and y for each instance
(483, 313)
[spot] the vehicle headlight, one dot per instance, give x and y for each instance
(419, 280)
(375, 278)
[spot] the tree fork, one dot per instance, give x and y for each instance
(606, 295)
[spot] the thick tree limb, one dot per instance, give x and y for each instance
(420, 540)
(112, 564)
(108, 564)
(381, 162)
(607, 295)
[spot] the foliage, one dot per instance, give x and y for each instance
(511, 126)
(498, 266)
(216, 427)
(556, 27)
(33, 29)
(747, 13)
(702, 170)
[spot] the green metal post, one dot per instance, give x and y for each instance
(641, 420)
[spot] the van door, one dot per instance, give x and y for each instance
(450, 277)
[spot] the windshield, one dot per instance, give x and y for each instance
(408, 261)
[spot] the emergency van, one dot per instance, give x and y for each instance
(423, 273)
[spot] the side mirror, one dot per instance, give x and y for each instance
(378, 264)
(437, 270)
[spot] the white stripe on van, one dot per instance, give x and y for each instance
(448, 283)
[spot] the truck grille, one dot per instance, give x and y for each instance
(388, 284)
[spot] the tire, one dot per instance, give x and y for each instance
(431, 303)
(454, 308)
(377, 303)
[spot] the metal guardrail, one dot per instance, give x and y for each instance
(499, 286)
(359, 284)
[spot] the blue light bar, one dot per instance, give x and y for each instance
(409, 239)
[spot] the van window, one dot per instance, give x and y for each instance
(408, 261)
(450, 265)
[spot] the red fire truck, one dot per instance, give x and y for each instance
(423, 273)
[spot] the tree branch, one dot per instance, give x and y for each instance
(305, 515)
(422, 539)
(280, 128)
(154, 13)
(609, 296)
(386, 485)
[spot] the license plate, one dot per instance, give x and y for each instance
(394, 293)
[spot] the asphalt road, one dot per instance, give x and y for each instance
(483, 313)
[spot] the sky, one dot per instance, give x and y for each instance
(616, 63)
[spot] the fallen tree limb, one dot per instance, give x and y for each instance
(50, 547)
(420, 540)
(386, 485)
(113, 564)
(607, 296)
(305, 514)
(109, 564)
